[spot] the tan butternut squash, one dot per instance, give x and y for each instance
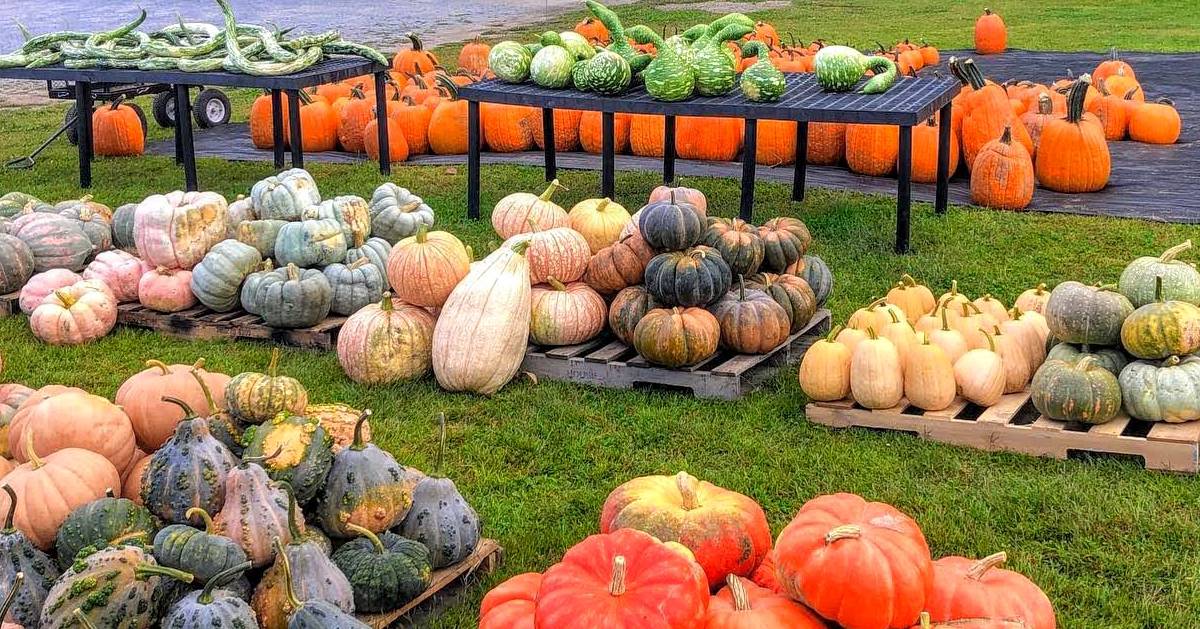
(1036, 320)
(929, 377)
(980, 374)
(950, 340)
(901, 334)
(825, 369)
(876, 378)
(913, 298)
(953, 298)
(971, 323)
(1016, 364)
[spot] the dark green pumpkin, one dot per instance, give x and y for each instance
(224, 426)
(115, 587)
(213, 607)
(217, 280)
(385, 570)
(785, 241)
(365, 487)
(1087, 315)
(812, 269)
(627, 309)
(1111, 358)
(312, 613)
(1181, 281)
(354, 285)
(1166, 391)
(791, 292)
(738, 243)
(671, 224)
(441, 518)
(203, 553)
(122, 227)
(16, 264)
(105, 522)
(1081, 392)
(696, 277)
(290, 297)
(1162, 328)
(188, 471)
(305, 452)
(19, 556)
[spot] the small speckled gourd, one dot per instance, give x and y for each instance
(305, 452)
(19, 556)
(188, 471)
(204, 553)
(255, 511)
(441, 518)
(213, 607)
(313, 613)
(385, 570)
(256, 397)
(117, 586)
(109, 521)
(365, 487)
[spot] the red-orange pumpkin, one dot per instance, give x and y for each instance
(510, 605)
(591, 132)
(743, 605)
(566, 130)
(872, 149)
(966, 588)
(764, 574)
(710, 139)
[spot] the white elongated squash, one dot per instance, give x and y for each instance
(481, 334)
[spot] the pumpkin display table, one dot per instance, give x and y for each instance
(910, 102)
(329, 70)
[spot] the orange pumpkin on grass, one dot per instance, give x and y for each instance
(742, 604)
(352, 119)
(988, 114)
(1073, 154)
(117, 131)
(864, 565)
(510, 605)
(72, 419)
(508, 128)
(1155, 123)
(415, 57)
(991, 35)
(262, 129)
(1002, 177)
(566, 130)
(727, 531)
(776, 143)
(591, 132)
(966, 588)
(872, 149)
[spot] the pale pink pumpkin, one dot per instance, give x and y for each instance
(35, 290)
(687, 195)
(74, 315)
(561, 253)
(119, 270)
(74, 419)
(386, 342)
(175, 230)
(523, 212)
(565, 314)
(166, 290)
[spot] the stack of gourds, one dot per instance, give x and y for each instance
(666, 542)
(200, 500)
(912, 346)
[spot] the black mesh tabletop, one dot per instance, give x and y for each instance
(325, 71)
(909, 102)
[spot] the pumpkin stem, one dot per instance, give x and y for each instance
(65, 297)
(293, 511)
(555, 284)
(160, 364)
(359, 444)
(945, 322)
(11, 597)
(981, 567)
(520, 247)
(616, 586)
(846, 531)
(1006, 137)
(204, 516)
(386, 303)
(741, 287)
(1171, 361)
(891, 312)
(422, 233)
(246, 460)
(79, 617)
(1075, 98)
(108, 493)
(285, 566)
(273, 366)
(212, 404)
(551, 189)
(686, 483)
(12, 510)
(832, 336)
(908, 280)
(30, 453)
(871, 332)
(926, 622)
(358, 264)
(188, 413)
(991, 341)
(741, 601)
(221, 578)
(372, 537)
(293, 273)
(146, 570)
(1170, 254)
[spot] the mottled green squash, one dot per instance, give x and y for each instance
(122, 228)
(1181, 281)
(305, 452)
(311, 243)
(813, 270)
(365, 487)
(785, 241)
(1111, 358)
(18, 555)
(105, 522)
(12, 203)
(212, 607)
(312, 613)
(188, 471)
(441, 518)
(1162, 328)
(115, 587)
(385, 570)
(738, 243)
(762, 82)
(671, 224)
(1081, 392)
(1166, 391)
(716, 72)
(669, 77)
(16, 263)
(695, 277)
(204, 553)
(224, 426)
(256, 397)
(1087, 315)
(839, 68)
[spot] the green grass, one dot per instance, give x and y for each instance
(1113, 545)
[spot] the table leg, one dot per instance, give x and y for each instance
(183, 128)
(277, 127)
(801, 171)
(385, 152)
(473, 142)
(294, 128)
(943, 164)
(548, 143)
(749, 160)
(83, 131)
(669, 149)
(178, 146)
(608, 149)
(903, 189)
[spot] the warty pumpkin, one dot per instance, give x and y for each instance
(676, 337)
(825, 369)
(1086, 315)
(210, 607)
(521, 212)
(600, 221)
(386, 342)
(385, 571)
(257, 397)
(204, 553)
(1180, 280)
(119, 586)
(876, 372)
(742, 604)
(619, 265)
(440, 517)
(188, 471)
(1002, 174)
(980, 374)
(1073, 154)
(294, 449)
(1155, 123)
(255, 511)
(424, 269)
(176, 230)
(627, 310)
(352, 120)
(108, 521)
(365, 487)
(28, 575)
(565, 314)
(966, 588)
(1083, 392)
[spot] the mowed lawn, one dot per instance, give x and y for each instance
(1112, 544)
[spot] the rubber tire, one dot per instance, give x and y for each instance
(71, 134)
(141, 116)
(200, 111)
(164, 110)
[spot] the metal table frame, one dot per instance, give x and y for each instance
(909, 103)
(329, 70)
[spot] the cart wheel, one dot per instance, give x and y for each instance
(141, 116)
(72, 136)
(164, 109)
(211, 108)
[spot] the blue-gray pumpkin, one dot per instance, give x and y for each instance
(122, 228)
(350, 212)
(285, 196)
(260, 234)
(213, 607)
(696, 277)
(205, 554)
(442, 520)
(217, 280)
(354, 286)
(187, 472)
(1162, 391)
(1181, 281)
(16, 264)
(18, 555)
(374, 249)
(385, 570)
(1087, 315)
(250, 286)
(311, 243)
(671, 224)
(397, 213)
(365, 487)
(290, 298)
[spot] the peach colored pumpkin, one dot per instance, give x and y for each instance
(876, 373)
(6, 466)
(39, 286)
(980, 374)
(687, 195)
(134, 464)
(74, 315)
(565, 314)
(74, 419)
(929, 376)
(949, 339)
(386, 342)
(900, 332)
(851, 337)
(560, 252)
(825, 370)
(1013, 355)
(166, 290)
(175, 230)
(423, 269)
(522, 212)
(141, 395)
(120, 271)
(49, 488)
(131, 488)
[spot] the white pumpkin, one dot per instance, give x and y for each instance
(285, 196)
(242, 209)
(175, 230)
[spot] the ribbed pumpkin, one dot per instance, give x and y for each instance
(54, 241)
(1083, 392)
(1162, 328)
(216, 281)
(41, 285)
(1086, 315)
(255, 511)
(785, 241)
(188, 471)
(690, 196)
(72, 419)
(813, 270)
(929, 376)
(119, 586)
(385, 570)
(565, 314)
(987, 113)
(311, 242)
(1072, 154)
(708, 139)
(386, 342)
(861, 564)
(75, 314)
(480, 337)
(672, 224)
(285, 196)
(365, 487)
(676, 337)
(566, 130)
(1162, 391)
(212, 608)
(339, 421)
(509, 128)
(791, 292)
(16, 263)
(742, 604)
(825, 369)
(738, 242)
(752, 322)
(618, 265)
(104, 522)
(204, 553)
(646, 135)
(26, 572)
(423, 269)
(257, 397)
(559, 252)
(600, 221)
(827, 143)
(314, 613)
(627, 310)
(290, 297)
(925, 147)
(1002, 174)
(510, 605)
(522, 212)
(1180, 280)
(176, 230)
(591, 137)
(727, 531)
(876, 372)
(872, 149)
(396, 213)
(695, 277)
(966, 588)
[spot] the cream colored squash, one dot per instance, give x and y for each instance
(1025, 331)
(1033, 300)
(876, 378)
(515, 212)
(953, 298)
(901, 334)
(851, 337)
(1012, 353)
(980, 375)
(914, 299)
(950, 340)
(929, 376)
(825, 369)
(991, 306)
(1036, 320)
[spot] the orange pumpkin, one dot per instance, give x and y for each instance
(474, 57)
(930, 54)
(965, 588)
(872, 149)
(681, 194)
(1035, 119)
(412, 120)
(397, 144)
(508, 128)
(988, 114)
(352, 119)
(140, 396)
(709, 139)
(318, 124)
(1155, 123)
(727, 531)
(1073, 154)
(646, 135)
(1120, 82)
(591, 132)
(991, 35)
(72, 419)
(566, 130)
(510, 605)
(742, 604)
(1002, 177)
(764, 575)
(117, 131)
(333, 92)
(416, 57)
(765, 33)
(864, 565)
(594, 31)
(262, 130)
(827, 143)
(1113, 111)
(776, 143)
(925, 151)
(618, 265)
(448, 125)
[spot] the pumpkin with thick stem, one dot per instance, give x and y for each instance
(396, 213)
(622, 580)
(521, 212)
(1087, 315)
(109, 521)
(738, 242)
(303, 452)
(205, 553)
(256, 397)
(966, 588)
(752, 321)
(676, 337)
(727, 531)
(424, 269)
(416, 58)
(510, 605)
(1180, 280)
(1002, 174)
(1162, 328)
(1073, 154)
(188, 471)
(72, 419)
(365, 487)
(19, 556)
(153, 419)
(441, 518)
(212, 608)
(742, 604)
(119, 587)
(619, 265)
(385, 570)
(1082, 392)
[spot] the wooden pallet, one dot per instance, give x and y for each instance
(607, 362)
(8, 304)
(484, 560)
(205, 324)
(1014, 425)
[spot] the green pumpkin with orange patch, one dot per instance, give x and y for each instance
(305, 452)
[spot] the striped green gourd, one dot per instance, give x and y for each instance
(620, 43)
(839, 68)
(607, 73)
(668, 78)
(509, 61)
(716, 72)
(762, 82)
(552, 65)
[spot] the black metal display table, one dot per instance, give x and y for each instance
(326, 71)
(910, 102)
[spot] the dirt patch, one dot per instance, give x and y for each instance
(718, 6)
(15, 93)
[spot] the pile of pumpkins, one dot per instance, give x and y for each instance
(912, 346)
(665, 543)
(1128, 346)
(207, 501)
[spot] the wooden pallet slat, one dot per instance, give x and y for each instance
(203, 324)
(607, 353)
(483, 560)
(8, 304)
